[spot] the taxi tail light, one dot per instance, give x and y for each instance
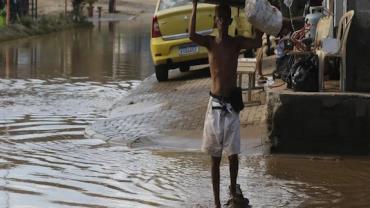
(155, 28)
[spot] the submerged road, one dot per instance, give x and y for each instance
(54, 87)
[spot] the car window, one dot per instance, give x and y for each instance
(166, 4)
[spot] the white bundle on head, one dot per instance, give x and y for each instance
(265, 17)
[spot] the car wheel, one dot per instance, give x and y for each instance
(161, 72)
(184, 68)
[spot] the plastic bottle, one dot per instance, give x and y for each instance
(312, 19)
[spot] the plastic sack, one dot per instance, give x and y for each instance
(264, 16)
(284, 69)
(330, 45)
(305, 74)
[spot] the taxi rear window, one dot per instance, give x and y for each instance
(167, 4)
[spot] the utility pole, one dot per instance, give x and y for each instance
(65, 7)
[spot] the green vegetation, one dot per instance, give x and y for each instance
(26, 26)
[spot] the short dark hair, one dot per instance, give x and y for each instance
(223, 10)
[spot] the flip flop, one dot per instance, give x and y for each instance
(237, 202)
(262, 80)
(239, 198)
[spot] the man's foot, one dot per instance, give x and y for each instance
(238, 192)
(262, 80)
(237, 202)
(238, 198)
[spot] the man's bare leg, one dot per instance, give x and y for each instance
(216, 180)
(259, 58)
(233, 168)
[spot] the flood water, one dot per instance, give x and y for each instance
(53, 86)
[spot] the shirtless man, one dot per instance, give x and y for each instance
(222, 125)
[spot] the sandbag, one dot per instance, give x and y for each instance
(265, 17)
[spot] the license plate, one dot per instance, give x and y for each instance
(187, 50)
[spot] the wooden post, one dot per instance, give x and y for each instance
(90, 9)
(7, 63)
(112, 6)
(65, 7)
(32, 8)
(99, 11)
(36, 9)
(7, 12)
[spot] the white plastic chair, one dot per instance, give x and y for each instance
(342, 36)
(323, 31)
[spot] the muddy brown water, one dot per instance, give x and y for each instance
(53, 86)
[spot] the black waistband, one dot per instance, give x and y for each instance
(220, 98)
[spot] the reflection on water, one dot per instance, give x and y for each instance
(111, 50)
(332, 182)
(50, 93)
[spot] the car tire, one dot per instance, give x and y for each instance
(184, 68)
(161, 72)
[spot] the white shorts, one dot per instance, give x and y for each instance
(221, 129)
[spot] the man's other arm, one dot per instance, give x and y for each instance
(249, 43)
(195, 37)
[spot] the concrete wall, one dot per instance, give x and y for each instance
(358, 47)
(311, 123)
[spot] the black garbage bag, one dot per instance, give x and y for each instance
(305, 74)
(284, 68)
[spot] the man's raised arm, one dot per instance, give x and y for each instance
(198, 39)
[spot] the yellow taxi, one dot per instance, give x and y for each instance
(171, 47)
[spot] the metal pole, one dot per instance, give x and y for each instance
(65, 7)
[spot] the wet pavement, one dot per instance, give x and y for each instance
(50, 94)
(171, 115)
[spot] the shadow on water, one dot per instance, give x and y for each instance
(110, 50)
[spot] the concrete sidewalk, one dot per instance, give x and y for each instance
(171, 114)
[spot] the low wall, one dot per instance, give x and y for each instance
(319, 123)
